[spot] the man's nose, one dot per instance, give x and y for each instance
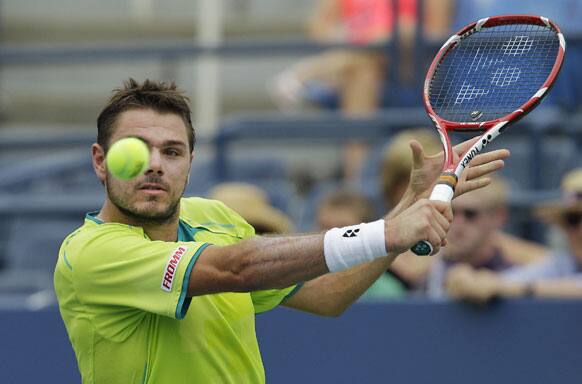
(155, 165)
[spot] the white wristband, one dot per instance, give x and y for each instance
(346, 247)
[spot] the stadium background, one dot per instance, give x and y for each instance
(58, 63)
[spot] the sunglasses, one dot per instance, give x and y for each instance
(572, 219)
(469, 214)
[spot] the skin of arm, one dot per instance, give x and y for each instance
(277, 262)
(331, 294)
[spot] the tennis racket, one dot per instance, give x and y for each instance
(485, 77)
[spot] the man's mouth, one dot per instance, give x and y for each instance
(152, 187)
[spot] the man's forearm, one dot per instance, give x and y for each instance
(275, 262)
(258, 263)
(406, 201)
(333, 293)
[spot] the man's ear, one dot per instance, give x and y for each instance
(98, 160)
(190, 167)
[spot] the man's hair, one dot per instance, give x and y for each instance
(159, 96)
(345, 198)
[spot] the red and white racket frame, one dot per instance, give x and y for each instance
(444, 190)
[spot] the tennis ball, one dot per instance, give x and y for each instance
(128, 158)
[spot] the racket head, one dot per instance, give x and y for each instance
(492, 73)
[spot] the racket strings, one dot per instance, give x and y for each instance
(491, 73)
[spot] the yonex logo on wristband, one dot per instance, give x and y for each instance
(346, 247)
(351, 232)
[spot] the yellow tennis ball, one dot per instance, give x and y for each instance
(128, 158)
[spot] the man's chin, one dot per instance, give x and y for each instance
(151, 211)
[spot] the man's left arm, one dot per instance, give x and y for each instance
(333, 293)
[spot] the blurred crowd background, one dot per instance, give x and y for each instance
(303, 109)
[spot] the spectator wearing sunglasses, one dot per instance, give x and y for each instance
(476, 241)
(557, 275)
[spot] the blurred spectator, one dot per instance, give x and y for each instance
(355, 77)
(354, 80)
(476, 241)
(352, 76)
(557, 275)
(414, 270)
(344, 207)
(252, 203)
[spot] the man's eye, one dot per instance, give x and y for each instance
(172, 152)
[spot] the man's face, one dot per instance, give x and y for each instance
(154, 195)
(474, 223)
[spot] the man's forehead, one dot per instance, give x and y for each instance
(150, 124)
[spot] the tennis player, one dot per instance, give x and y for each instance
(157, 288)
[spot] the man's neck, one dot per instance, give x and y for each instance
(163, 231)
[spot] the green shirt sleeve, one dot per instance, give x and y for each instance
(121, 275)
(230, 222)
(266, 300)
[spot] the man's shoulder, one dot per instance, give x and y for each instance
(199, 208)
(202, 212)
(91, 235)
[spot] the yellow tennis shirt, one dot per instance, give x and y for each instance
(123, 298)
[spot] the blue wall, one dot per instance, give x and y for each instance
(403, 342)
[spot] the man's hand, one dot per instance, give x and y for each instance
(424, 220)
(426, 169)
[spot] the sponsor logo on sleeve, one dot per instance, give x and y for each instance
(172, 267)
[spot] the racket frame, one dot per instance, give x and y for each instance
(444, 190)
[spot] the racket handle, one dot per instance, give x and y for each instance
(442, 192)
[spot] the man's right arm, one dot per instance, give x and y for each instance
(278, 262)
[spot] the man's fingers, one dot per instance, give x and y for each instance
(444, 208)
(472, 185)
(482, 158)
(417, 154)
(484, 169)
(435, 240)
(443, 221)
(438, 228)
